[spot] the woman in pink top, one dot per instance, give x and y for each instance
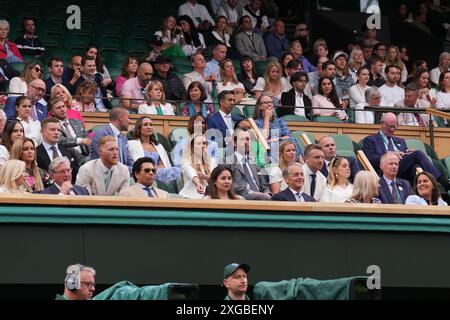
(327, 102)
(129, 70)
(61, 91)
(84, 99)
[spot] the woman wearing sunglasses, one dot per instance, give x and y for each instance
(18, 85)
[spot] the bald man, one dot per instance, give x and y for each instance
(133, 89)
(35, 91)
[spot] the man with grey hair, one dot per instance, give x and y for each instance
(61, 174)
(79, 283)
(8, 49)
(35, 91)
(444, 65)
(295, 179)
(372, 98)
(412, 100)
(198, 74)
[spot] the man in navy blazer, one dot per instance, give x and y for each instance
(328, 146)
(119, 119)
(392, 190)
(376, 145)
(35, 91)
(61, 174)
(296, 97)
(295, 178)
(223, 120)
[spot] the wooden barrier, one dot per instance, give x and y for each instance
(165, 124)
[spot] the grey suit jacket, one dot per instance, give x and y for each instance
(92, 178)
(136, 191)
(239, 181)
(80, 132)
(247, 47)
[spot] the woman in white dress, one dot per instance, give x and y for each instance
(423, 83)
(156, 101)
(13, 131)
(229, 79)
(196, 167)
(272, 83)
(339, 189)
(31, 127)
(358, 97)
(18, 85)
(191, 41)
(287, 156)
(443, 96)
(426, 192)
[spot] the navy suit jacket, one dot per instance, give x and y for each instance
(354, 167)
(287, 195)
(78, 190)
(215, 121)
(385, 194)
(10, 110)
(374, 148)
(107, 131)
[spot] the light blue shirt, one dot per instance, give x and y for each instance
(415, 199)
(386, 141)
(212, 67)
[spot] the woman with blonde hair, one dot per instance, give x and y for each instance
(393, 58)
(196, 167)
(338, 187)
(24, 149)
(156, 101)
(286, 156)
(365, 188)
(355, 62)
(229, 78)
(272, 82)
(12, 177)
(60, 91)
(18, 85)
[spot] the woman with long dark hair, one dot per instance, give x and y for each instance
(221, 184)
(248, 74)
(327, 102)
(191, 41)
(426, 191)
(13, 130)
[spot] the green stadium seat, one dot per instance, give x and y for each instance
(164, 141)
(260, 67)
(136, 46)
(343, 142)
(248, 111)
(75, 41)
(108, 44)
(114, 72)
(181, 61)
(293, 117)
(415, 144)
(298, 133)
(178, 134)
(327, 119)
(237, 111)
(19, 66)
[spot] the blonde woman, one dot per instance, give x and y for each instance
(339, 189)
(156, 101)
(196, 167)
(365, 188)
(393, 58)
(272, 82)
(356, 61)
(287, 156)
(60, 91)
(18, 85)
(229, 79)
(24, 149)
(12, 177)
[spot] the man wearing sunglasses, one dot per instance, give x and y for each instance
(35, 91)
(143, 172)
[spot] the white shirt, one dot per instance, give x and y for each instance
(228, 121)
(299, 103)
(48, 148)
(298, 195)
(337, 193)
(232, 17)
(115, 131)
(443, 100)
(276, 176)
(265, 20)
(32, 130)
(195, 12)
(241, 161)
(166, 108)
(390, 95)
(321, 183)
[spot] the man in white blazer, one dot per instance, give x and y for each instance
(315, 181)
(105, 176)
(143, 172)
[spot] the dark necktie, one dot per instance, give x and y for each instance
(55, 152)
(394, 192)
(299, 197)
(66, 128)
(313, 184)
(149, 192)
(419, 119)
(390, 144)
(248, 177)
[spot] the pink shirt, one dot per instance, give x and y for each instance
(120, 80)
(75, 114)
(132, 88)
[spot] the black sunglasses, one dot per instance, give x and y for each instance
(148, 170)
(37, 69)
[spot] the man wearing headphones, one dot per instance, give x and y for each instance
(79, 283)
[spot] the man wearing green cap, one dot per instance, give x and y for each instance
(235, 280)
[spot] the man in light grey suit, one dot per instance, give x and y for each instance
(249, 43)
(143, 172)
(105, 176)
(248, 179)
(73, 133)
